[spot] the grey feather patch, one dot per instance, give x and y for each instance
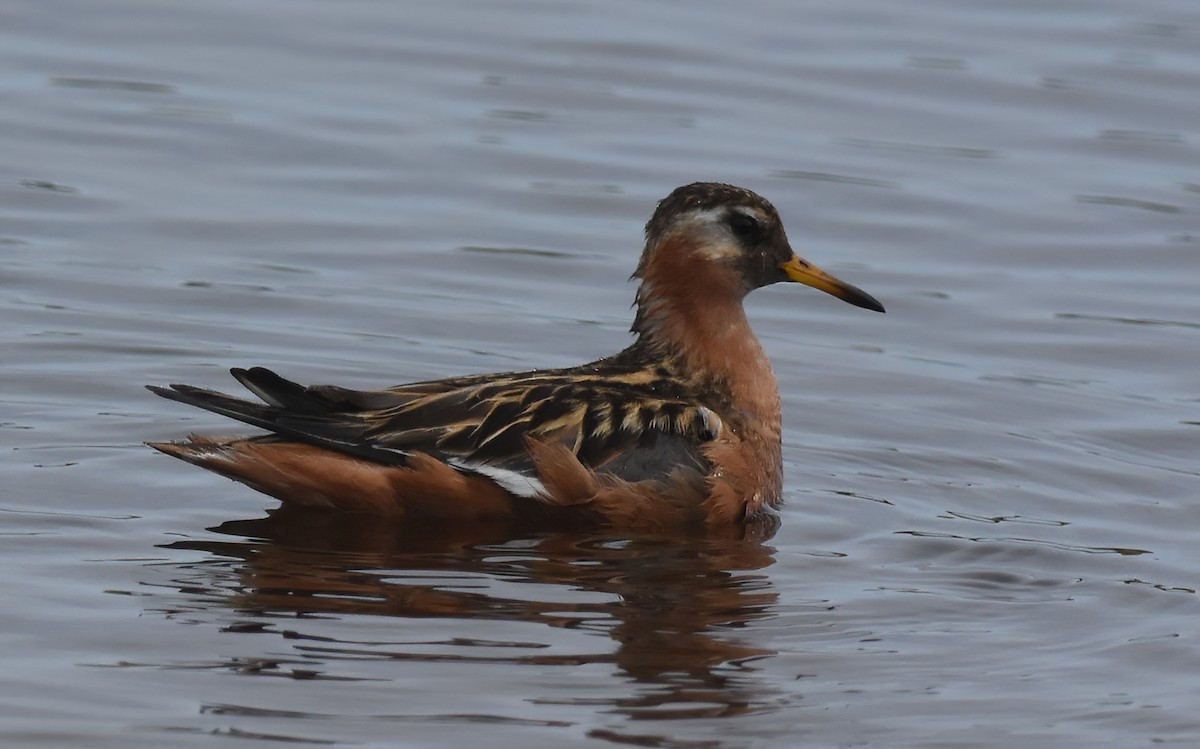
(712, 423)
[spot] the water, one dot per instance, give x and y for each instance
(991, 491)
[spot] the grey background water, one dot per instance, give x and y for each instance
(992, 491)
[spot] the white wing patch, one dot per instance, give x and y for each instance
(516, 482)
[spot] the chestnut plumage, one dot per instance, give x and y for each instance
(681, 428)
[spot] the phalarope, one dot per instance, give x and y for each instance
(681, 428)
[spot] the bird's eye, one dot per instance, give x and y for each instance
(743, 226)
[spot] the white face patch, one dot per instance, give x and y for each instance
(711, 233)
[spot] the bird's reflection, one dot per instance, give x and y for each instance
(671, 608)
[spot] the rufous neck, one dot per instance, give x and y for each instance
(694, 314)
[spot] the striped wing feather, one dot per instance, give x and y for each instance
(617, 420)
(611, 424)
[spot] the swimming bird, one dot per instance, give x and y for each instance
(682, 428)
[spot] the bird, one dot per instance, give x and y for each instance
(680, 429)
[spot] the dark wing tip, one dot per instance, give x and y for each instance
(174, 391)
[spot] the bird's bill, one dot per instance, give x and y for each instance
(808, 274)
